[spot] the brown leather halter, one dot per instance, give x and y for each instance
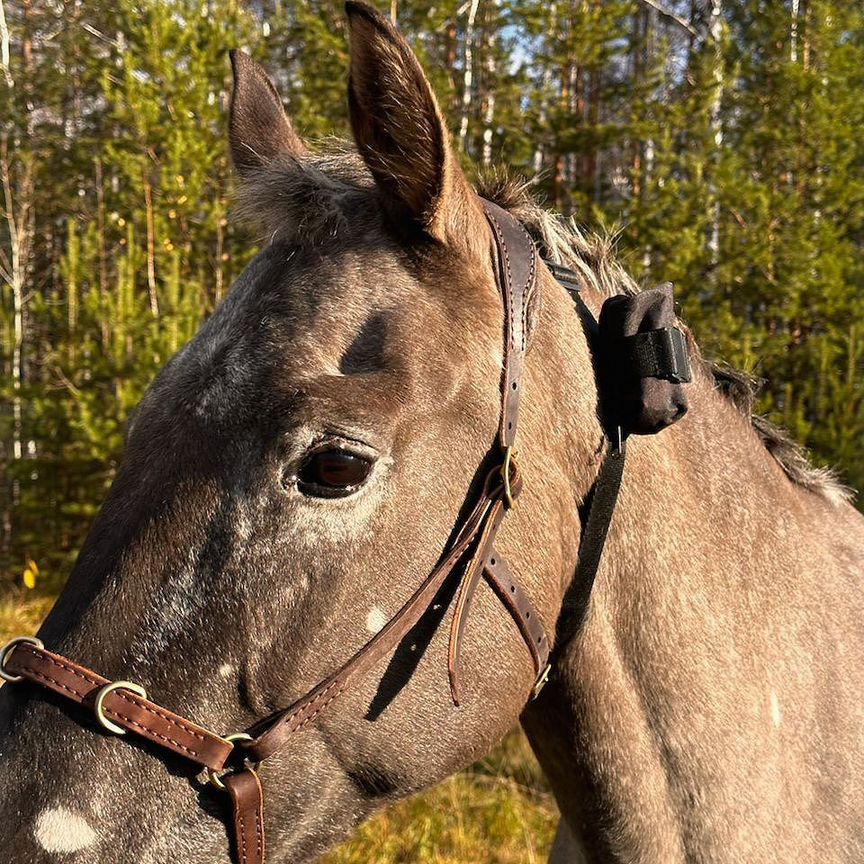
(231, 760)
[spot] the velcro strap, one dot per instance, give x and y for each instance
(659, 354)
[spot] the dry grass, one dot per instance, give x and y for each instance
(498, 812)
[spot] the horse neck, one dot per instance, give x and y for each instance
(705, 542)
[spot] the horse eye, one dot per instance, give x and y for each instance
(332, 473)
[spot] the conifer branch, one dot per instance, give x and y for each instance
(672, 16)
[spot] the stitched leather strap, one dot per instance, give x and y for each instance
(126, 709)
(516, 262)
(518, 603)
(247, 799)
(274, 731)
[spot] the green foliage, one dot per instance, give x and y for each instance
(781, 195)
(143, 248)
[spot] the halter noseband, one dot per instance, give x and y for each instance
(231, 760)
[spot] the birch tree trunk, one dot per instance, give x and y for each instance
(18, 213)
(539, 150)
(468, 74)
(491, 68)
(715, 34)
(793, 32)
(151, 250)
(4, 48)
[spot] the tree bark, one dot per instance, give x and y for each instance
(151, 251)
(18, 213)
(539, 150)
(490, 67)
(4, 48)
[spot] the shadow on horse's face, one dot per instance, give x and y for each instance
(290, 478)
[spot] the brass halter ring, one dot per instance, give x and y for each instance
(99, 706)
(214, 778)
(506, 472)
(4, 653)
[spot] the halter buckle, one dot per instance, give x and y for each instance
(540, 683)
(214, 778)
(99, 706)
(507, 466)
(7, 648)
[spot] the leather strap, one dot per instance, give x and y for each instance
(515, 260)
(247, 799)
(516, 263)
(123, 707)
(470, 580)
(272, 733)
(519, 605)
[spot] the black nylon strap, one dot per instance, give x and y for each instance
(567, 277)
(600, 507)
(661, 353)
(658, 353)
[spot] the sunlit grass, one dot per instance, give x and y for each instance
(469, 818)
(498, 812)
(21, 613)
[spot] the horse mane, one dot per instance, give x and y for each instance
(592, 256)
(308, 200)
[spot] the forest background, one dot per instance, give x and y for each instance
(721, 139)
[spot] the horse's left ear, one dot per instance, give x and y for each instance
(400, 133)
(260, 130)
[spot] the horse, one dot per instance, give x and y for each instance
(299, 467)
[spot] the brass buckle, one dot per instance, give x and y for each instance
(4, 653)
(541, 681)
(99, 706)
(214, 778)
(506, 469)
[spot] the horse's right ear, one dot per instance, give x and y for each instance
(401, 134)
(260, 130)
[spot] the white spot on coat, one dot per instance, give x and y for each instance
(225, 670)
(375, 619)
(59, 830)
(776, 716)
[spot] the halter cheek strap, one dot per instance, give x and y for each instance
(232, 760)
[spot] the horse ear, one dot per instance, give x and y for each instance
(259, 129)
(399, 130)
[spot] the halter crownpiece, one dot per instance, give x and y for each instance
(231, 761)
